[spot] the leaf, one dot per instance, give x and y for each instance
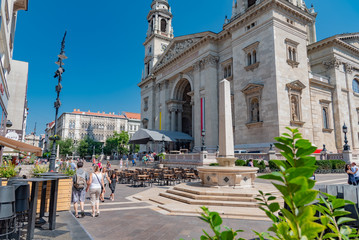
(343, 220)
(273, 207)
(282, 189)
(271, 176)
(337, 203)
(305, 197)
(271, 198)
(216, 220)
(227, 235)
(305, 151)
(338, 213)
(311, 229)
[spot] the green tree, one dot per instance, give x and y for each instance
(117, 143)
(82, 148)
(66, 146)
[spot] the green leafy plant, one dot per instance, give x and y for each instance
(215, 222)
(300, 218)
(39, 169)
(240, 162)
(213, 164)
(8, 171)
(69, 172)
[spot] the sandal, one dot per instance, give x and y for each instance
(77, 216)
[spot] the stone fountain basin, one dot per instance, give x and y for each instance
(236, 177)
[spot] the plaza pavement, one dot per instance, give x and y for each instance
(126, 220)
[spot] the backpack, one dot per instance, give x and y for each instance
(80, 182)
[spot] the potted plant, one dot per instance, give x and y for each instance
(6, 172)
(161, 156)
(55, 137)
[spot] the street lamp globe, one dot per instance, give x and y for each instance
(345, 128)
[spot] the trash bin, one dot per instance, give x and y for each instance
(7, 202)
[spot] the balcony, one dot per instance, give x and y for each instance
(319, 78)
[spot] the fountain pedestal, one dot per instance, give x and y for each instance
(227, 174)
(235, 177)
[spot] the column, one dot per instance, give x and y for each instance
(179, 122)
(173, 119)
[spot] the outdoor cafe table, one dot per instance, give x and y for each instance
(33, 203)
(54, 177)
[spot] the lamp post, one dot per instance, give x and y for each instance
(346, 147)
(203, 148)
(57, 104)
(163, 143)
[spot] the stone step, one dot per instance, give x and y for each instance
(225, 212)
(214, 192)
(209, 202)
(211, 197)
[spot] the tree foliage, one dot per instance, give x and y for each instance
(117, 143)
(66, 146)
(87, 146)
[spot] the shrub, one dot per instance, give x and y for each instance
(337, 164)
(7, 171)
(69, 172)
(240, 162)
(214, 164)
(40, 169)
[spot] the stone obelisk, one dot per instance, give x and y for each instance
(226, 143)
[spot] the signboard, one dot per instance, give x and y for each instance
(14, 134)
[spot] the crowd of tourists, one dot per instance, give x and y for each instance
(95, 183)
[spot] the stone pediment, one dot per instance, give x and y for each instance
(296, 85)
(178, 46)
(351, 38)
(251, 88)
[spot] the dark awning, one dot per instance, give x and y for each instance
(143, 136)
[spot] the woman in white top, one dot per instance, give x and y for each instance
(95, 184)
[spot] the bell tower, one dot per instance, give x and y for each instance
(159, 33)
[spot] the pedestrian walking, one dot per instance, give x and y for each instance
(113, 181)
(95, 185)
(351, 175)
(121, 164)
(133, 162)
(126, 163)
(106, 180)
(79, 189)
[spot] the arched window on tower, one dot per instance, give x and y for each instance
(163, 25)
(249, 59)
(290, 53)
(294, 58)
(325, 119)
(254, 110)
(254, 56)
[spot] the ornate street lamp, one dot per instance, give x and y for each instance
(163, 143)
(57, 104)
(203, 148)
(346, 147)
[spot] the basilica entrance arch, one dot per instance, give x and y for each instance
(181, 107)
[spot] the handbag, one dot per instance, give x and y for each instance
(99, 182)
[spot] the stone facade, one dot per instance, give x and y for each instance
(280, 77)
(99, 126)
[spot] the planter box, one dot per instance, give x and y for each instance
(63, 196)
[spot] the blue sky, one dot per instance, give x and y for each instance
(104, 46)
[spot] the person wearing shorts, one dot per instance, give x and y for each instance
(79, 194)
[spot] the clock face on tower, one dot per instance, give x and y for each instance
(163, 47)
